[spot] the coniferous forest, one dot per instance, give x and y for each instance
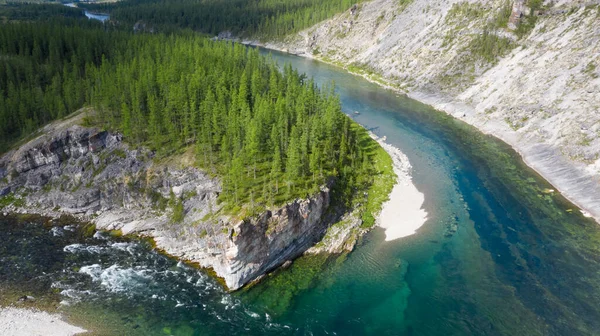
(36, 11)
(270, 133)
(250, 18)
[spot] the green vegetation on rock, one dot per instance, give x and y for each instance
(11, 199)
(402, 4)
(488, 46)
(528, 21)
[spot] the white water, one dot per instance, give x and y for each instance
(78, 248)
(118, 279)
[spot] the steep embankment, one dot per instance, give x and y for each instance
(96, 177)
(537, 86)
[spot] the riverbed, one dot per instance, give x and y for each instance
(499, 254)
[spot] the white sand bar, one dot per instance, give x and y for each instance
(27, 322)
(402, 214)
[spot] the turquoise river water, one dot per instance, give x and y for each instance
(499, 254)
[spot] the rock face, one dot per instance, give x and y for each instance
(255, 246)
(518, 10)
(541, 95)
(93, 175)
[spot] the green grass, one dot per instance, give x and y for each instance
(158, 201)
(465, 11)
(99, 170)
(178, 212)
(526, 26)
(380, 189)
(502, 16)
(11, 199)
(590, 70)
(380, 19)
(119, 153)
(360, 68)
(490, 47)
(402, 4)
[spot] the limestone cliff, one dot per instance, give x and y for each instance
(95, 176)
(531, 78)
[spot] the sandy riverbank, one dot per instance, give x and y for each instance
(402, 214)
(27, 322)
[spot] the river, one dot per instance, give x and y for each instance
(95, 16)
(500, 253)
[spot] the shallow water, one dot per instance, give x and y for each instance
(499, 255)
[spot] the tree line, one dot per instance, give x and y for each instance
(19, 11)
(271, 134)
(45, 70)
(264, 18)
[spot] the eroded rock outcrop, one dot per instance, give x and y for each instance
(94, 176)
(255, 246)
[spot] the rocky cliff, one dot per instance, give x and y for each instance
(93, 175)
(528, 76)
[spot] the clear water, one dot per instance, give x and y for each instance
(92, 16)
(497, 256)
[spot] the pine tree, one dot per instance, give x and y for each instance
(294, 161)
(125, 118)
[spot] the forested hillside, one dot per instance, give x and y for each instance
(271, 135)
(264, 18)
(30, 11)
(45, 71)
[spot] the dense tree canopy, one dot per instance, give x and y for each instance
(15, 11)
(45, 71)
(270, 133)
(41, 70)
(265, 18)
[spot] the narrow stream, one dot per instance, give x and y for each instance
(499, 255)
